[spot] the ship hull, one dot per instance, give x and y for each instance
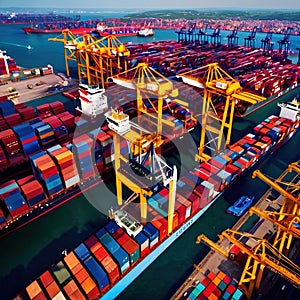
(29, 30)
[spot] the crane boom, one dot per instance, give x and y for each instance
(274, 185)
(286, 222)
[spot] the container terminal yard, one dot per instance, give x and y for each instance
(137, 104)
(227, 260)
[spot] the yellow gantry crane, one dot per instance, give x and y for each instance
(261, 254)
(149, 85)
(134, 174)
(288, 211)
(216, 82)
(70, 42)
(97, 59)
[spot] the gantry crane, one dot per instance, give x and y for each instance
(97, 59)
(250, 40)
(141, 178)
(288, 223)
(150, 86)
(261, 254)
(285, 42)
(215, 81)
(290, 207)
(70, 42)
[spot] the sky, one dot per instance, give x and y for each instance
(153, 4)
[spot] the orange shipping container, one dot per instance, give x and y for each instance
(33, 289)
(82, 275)
(89, 286)
(71, 260)
(52, 289)
(72, 291)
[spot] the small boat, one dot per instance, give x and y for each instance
(241, 205)
(145, 32)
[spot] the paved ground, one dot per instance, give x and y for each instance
(37, 91)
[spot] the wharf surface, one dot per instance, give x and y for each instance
(40, 85)
(216, 262)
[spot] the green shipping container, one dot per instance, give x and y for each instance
(61, 274)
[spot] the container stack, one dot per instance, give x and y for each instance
(115, 250)
(82, 149)
(66, 282)
(95, 269)
(64, 160)
(44, 111)
(48, 284)
(47, 173)
(82, 276)
(27, 138)
(60, 130)
(11, 196)
(45, 135)
(127, 243)
(57, 107)
(107, 147)
(97, 150)
(26, 113)
(103, 257)
(10, 144)
(68, 120)
(216, 286)
(32, 190)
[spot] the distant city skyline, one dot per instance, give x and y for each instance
(154, 4)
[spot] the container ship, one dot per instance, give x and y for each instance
(103, 30)
(107, 262)
(80, 30)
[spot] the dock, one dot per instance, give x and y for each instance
(39, 84)
(215, 262)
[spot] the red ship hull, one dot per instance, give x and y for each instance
(82, 30)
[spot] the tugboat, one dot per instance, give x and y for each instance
(117, 120)
(241, 205)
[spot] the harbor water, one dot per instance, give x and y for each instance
(26, 253)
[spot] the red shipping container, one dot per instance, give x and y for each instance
(46, 278)
(120, 236)
(162, 228)
(206, 281)
(202, 173)
(227, 279)
(100, 254)
(91, 241)
(181, 210)
(211, 275)
(112, 271)
(231, 289)
(210, 168)
(195, 202)
(19, 211)
(25, 180)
